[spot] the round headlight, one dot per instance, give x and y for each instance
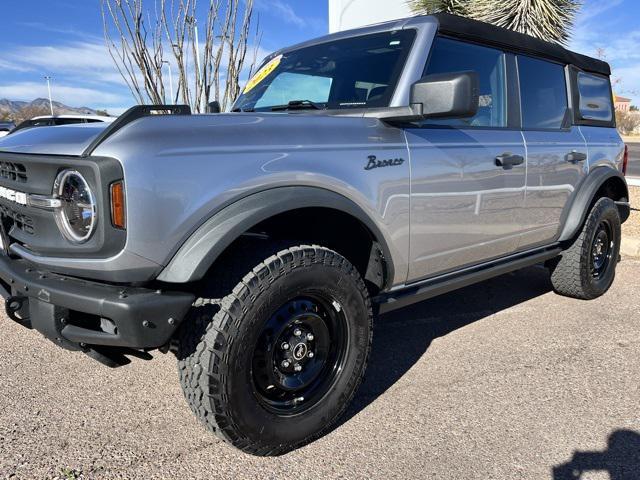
(77, 214)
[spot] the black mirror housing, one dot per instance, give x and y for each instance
(447, 95)
(443, 95)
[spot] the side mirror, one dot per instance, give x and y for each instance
(447, 95)
(443, 95)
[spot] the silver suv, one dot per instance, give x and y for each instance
(358, 173)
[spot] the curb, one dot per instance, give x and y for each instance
(630, 246)
(633, 182)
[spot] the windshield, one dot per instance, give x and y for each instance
(359, 72)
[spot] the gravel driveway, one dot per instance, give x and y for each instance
(632, 226)
(503, 380)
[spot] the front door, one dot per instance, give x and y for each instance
(467, 175)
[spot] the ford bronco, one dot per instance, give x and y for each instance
(356, 174)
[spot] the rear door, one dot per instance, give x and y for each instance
(556, 150)
(466, 206)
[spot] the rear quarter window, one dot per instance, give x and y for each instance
(596, 102)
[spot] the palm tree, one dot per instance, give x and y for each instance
(456, 7)
(550, 20)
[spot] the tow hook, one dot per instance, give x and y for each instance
(12, 306)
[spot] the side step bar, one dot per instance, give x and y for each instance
(442, 284)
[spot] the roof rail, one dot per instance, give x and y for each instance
(133, 114)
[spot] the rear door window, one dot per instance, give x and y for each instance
(596, 102)
(543, 93)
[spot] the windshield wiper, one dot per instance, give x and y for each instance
(242, 110)
(299, 105)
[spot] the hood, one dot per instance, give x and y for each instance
(181, 136)
(71, 140)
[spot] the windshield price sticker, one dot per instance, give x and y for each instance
(263, 73)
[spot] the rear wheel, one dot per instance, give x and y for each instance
(279, 362)
(586, 270)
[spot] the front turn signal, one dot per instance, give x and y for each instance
(118, 212)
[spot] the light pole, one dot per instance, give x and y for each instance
(194, 22)
(170, 80)
(48, 79)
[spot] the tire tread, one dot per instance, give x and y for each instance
(215, 332)
(569, 272)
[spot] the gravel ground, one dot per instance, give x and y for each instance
(632, 226)
(503, 380)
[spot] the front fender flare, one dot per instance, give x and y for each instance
(579, 209)
(204, 246)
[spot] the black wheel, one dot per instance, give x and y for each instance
(586, 270)
(281, 359)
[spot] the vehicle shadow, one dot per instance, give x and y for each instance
(621, 460)
(401, 337)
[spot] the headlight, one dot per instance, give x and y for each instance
(76, 217)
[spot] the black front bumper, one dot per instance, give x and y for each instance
(78, 314)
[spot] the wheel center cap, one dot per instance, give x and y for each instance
(300, 351)
(599, 248)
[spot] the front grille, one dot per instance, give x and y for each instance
(15, 172)
(19, 220)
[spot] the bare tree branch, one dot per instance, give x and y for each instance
(208, 54)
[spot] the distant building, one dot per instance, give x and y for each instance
(347, 14)
(622, 104)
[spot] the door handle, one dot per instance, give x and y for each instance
(508, 161)
(575, 157)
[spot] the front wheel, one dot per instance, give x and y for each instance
(587, 269)
(280, 361)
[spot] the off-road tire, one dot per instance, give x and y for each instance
(571, 272)
(214, 346)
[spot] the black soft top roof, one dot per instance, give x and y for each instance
(501, 37)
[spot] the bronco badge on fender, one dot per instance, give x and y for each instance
(375, 163)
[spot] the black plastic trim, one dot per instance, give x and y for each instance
(453, 281)
(143, 318)
(203, 247)
(514, 112)
(576, 213)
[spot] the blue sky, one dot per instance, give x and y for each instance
(63, 38)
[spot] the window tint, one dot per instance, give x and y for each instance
(595, 97)
(543, 93)
(450, 56)
(68, 121)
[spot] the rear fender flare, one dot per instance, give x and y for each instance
(579, 209)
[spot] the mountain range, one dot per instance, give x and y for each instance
(12, 107)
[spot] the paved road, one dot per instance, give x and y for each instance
(633, 169)
(503, 380)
